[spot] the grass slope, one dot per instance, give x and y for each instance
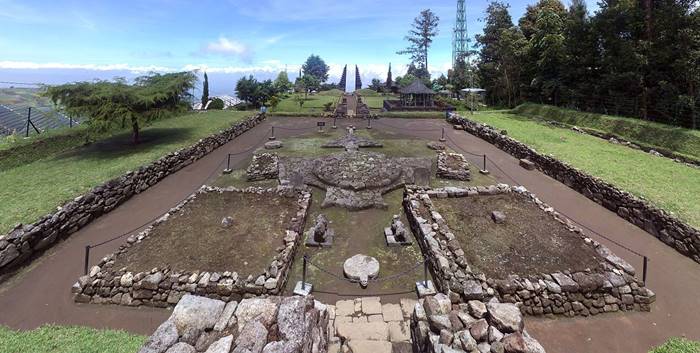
(666, 137)
(313, 103)
(672, 186)
(33, 189)
(678, 345)
(62, 339)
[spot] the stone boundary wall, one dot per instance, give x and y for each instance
(438, 326)
(275, 324)
(655, 221)
(611, 288)
(163, 287)
(25, 241)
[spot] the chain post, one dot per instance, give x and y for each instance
(644, 270)
(87, 258)
(303, 275)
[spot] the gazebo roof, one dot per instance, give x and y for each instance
(416, 87)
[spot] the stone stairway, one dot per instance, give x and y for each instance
(365, 325)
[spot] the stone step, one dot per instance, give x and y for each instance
(363, 331)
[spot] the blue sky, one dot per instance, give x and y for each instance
(54, 41)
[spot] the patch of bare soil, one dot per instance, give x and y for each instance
(194, 238)
(528, 242)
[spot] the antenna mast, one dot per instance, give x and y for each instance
(460, 36)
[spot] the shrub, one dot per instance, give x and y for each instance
(216, 104)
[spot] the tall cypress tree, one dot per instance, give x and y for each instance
(389, 81)
(205, 91)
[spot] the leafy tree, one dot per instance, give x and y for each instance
(500, 59)
(420, 37)
(299, 100)
(547, 49)
(205, 91)
(274, 101)
(406, 80)
(315, 66)
(216, 104)
(109, 103)
(376, 85)
(254, 92)
(282, 83)
(308, 83)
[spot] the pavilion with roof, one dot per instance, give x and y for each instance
(417, 95)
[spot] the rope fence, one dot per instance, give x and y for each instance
(216, 169)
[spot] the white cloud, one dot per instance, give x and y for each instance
(228, 47)
(27, 65)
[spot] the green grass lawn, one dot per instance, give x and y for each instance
(63, 339)
(313, 103)
(35, 188)
(672, 186)
(678, 345)
(660, 136)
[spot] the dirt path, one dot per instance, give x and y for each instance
(41, 293)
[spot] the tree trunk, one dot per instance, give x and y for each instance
(135, 131)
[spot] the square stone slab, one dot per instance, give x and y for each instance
(392, 312)
(345, 308)
(371, 306)
(399, 331)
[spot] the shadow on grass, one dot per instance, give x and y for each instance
(121, 145)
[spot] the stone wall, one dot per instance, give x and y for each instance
(657, 222)
(162, 287)
(26, 241)
(438, 326)
(256, 325)
(610, 288)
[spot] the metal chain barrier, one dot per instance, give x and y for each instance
(645, 259)
(132, 230)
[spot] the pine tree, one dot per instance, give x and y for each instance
(205, 91)
(420, 37)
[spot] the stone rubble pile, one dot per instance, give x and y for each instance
(612, 287)
(25, 241)
(452, 166)
(163, 287)
(270, 325)
(655, 221)
(263, 166)
(438, 326)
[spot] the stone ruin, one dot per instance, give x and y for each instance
(610, 288)
(439, 326)
(264, 166)
(354, 179)
(452, 166)
(396, 234)
(352, 142)
(320, 234)
(275, 324)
